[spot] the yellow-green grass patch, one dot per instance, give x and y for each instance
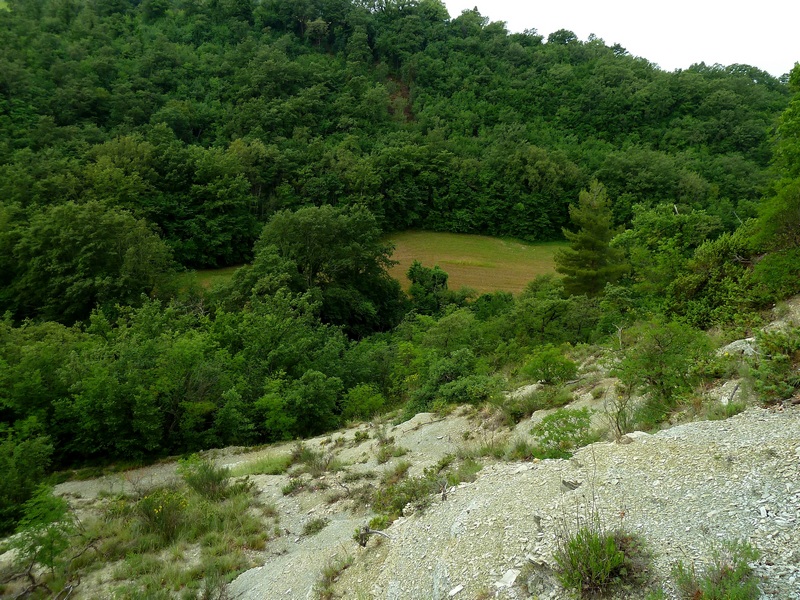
(206, 278)
(484, 263)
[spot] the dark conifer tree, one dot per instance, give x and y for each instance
(591, 262)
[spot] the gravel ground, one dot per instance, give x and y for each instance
(685, 490)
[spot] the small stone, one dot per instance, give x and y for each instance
(455, 590)
(508, 579)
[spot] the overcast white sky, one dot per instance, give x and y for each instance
(674, 34)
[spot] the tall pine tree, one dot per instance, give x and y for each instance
(590, 262)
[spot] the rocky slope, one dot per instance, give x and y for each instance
(686, 491)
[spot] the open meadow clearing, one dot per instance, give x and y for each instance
(484, 263)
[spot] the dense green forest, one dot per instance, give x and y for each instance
(138, 139)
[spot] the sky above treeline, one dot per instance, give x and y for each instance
(673, 35)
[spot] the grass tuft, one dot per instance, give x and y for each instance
(730, 576)
(593, 561)
(267, 465)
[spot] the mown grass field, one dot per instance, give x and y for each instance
(486, 264)
(483, 263)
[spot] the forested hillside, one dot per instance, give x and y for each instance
(141, 138)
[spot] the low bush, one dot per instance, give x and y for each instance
(549, 365)
(315, 526)
(562, 432)
(44, 530)
(204, 477)
(522, 406)
(324, 586)
(594, 561)
(730, 576)
(364, 401)
(774, 369)
(386, 453)
(162, 512)
(661, 363)
(23, 464)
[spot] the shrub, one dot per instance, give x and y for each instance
(730, 576)
(562, 432)
(386, 453)
(23, 464)
(294, 486)
(162, 512)
(719, 411)
(364, 401)
(204, 477)
(392, 499)
(324, 586)
(314, 526)
(360, 436)
(660, 363)
(549, 365)
(779, 273)
(467, 470)
(44, 529)
(400, 471)
(593, 561)
(775, 368)
(517, 408)
(379, 522)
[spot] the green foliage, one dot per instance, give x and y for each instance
(716, 287)
(521, 406)
(428, 287)
(336, 254)
(386, 452)
(562, 432)
(137, 535)
(73, 257)
(162, 513)
(268, 465)
(379, 522)
(437, 380)
(44, 530)
(301, 407)
(23, 464)
(205, 478)
(324, 586)
(549, 365)
(139, 143)
(774, 368)
(593, 561)
(729, 577)
(719, 411)
(590, 262)
(778, 274)
(314, 526)
(661, 240)
(660, 363)
(544, 314)
(416, 491)
(362, 402)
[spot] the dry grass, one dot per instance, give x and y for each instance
(483, 263)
